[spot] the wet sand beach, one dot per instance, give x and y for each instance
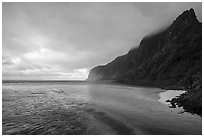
(85, 108)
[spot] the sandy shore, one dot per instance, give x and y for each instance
(169, 94)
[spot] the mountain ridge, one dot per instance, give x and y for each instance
(170, 58)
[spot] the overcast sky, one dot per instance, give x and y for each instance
(65, 40)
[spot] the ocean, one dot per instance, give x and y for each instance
(86, 108)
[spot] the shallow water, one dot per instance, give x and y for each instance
(85, 108)
(169, 94)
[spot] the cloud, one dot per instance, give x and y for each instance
(66, 40)
(44, 55)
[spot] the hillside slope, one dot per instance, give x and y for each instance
(171, 58)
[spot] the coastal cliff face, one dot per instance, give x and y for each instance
(169, 59)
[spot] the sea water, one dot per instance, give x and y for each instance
(89, 108)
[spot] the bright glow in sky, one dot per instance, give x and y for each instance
(63, 41)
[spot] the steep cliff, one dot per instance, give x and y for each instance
(172, 58)
(166, 58)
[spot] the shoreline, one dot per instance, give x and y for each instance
(168, 95)
(190, 101)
